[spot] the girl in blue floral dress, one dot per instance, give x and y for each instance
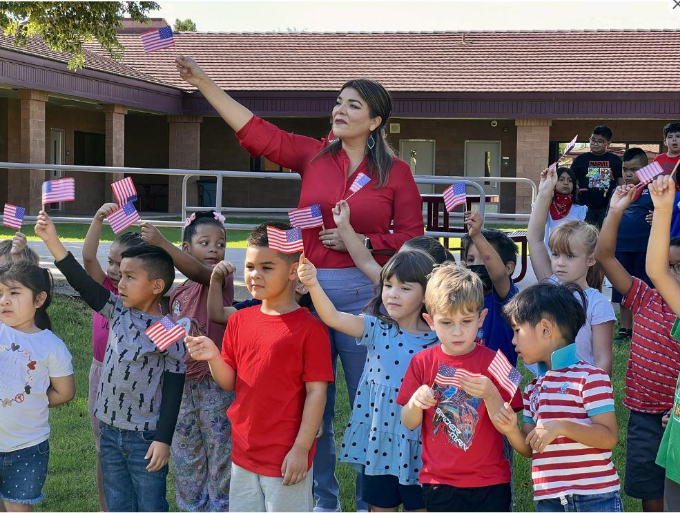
(375, 442)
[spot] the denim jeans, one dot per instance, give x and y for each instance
(127, 484)
(573, 503)
(350, 291)
(23, 473)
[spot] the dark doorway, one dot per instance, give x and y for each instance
(88, 149)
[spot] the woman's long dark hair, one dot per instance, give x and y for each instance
(37, 280)
(381, 157)
(408, 267)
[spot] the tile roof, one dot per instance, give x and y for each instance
(513, 61)
(94, 60)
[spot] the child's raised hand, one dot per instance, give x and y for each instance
(662, 191)
(151, 235)
(306, 272)
(622, 197)
(341, 214)
(505, 420)
(106, 210)
(158, 453)
(542, 435)
(481, 386)
(548, 182)
(473, 223)
(201, 348)
(44, 227)
(423, 398)
(19, 243)
(222, 270)
(294, 467)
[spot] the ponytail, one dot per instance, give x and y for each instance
(35, 279)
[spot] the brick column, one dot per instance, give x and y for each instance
(26, 117)
(114, 152)
(533, 141)
(185, 153)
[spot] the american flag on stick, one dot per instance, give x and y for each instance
(569, 147)
(307, 217)
(454, 196)
(124, 190)
(123, 218)
(55, 191)
(285, 241)
(451, 376)
(648, 173)
(13, 216)
(361, 180)
(507, 376)
(165, 332)
(157, 39)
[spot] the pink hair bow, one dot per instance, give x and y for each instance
(219, 217)
(190, 219)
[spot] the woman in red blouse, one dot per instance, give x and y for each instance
(385, 213)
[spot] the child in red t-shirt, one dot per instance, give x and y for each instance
(277, 357)
(671, 139)
(448, 389)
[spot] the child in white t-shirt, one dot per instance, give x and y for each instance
(36, 375)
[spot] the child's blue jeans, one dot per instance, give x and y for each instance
(574, 503)
(128, 486)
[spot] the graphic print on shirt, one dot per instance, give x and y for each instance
(16, 368)
(676, 408)
(456, 411)
(599, 174)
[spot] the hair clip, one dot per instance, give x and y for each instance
(219, 217)
(190, 219)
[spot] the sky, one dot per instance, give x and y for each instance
(351, 15)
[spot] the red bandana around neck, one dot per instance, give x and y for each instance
(560, 206)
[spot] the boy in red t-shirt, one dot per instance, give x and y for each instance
(671, 139)
(277, 357)
(448, 389)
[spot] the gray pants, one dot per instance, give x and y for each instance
(255, 492)
(671, 496)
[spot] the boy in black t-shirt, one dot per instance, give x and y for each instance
(598, 173)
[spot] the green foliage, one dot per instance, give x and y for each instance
(184, 25)
(64, 26)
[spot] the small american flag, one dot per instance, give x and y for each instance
(553, 167)
(451, 376)
(454, 196)
(307, 217)
(285, 241)
(359, 182)
(123, 217)
(648, 173)
(157, 39)
(570, 146)
(124, 190)
(13, 216)
(165, 332)
(507, 376)
(54, 191)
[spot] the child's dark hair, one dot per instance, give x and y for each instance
(604, 131)
(27, 254)
(407, 267)
(37, 280)
(504, 245)
(432, 247)
(201, 218)
(670, 128)
(258, 238)
(556, 302)
(129, 239)
(572, 175)
(156, 262)
(675, 242)
(636, 153)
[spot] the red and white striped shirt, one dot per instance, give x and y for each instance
(654, 361)
(577, 391)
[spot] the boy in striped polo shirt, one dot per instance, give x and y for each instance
(654, 360)
(569, 426)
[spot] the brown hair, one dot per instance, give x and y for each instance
(27, 254)
(452, 287)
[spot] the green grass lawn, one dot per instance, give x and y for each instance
(71, 481)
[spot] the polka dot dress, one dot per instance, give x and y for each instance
(375, 439)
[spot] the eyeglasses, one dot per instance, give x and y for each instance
(597, 142)
(675, 267)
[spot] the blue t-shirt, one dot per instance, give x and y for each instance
(634, 229)
(496, 334)
(675, 223)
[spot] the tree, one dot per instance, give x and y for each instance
(64, 26)
(184, 25)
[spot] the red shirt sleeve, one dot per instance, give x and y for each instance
(259, 137)
(407, 213)
(412, 382)
(228, 341)
(638, 296)
(317, 355)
